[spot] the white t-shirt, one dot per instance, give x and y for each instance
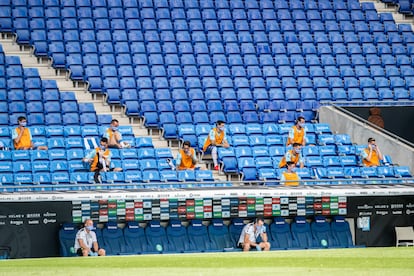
(253, 234)
(88, 238)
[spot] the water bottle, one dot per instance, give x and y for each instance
(171, 164)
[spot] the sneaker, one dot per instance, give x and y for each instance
(216, 167)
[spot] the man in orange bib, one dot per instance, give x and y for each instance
(216, 138)
(290, 177)
(114, 136)
(292, 155)
(186, 157)
(100, 160)
(371, 155)
(22, 138)
(297, 134)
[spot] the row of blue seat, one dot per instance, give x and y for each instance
(390, 32)
(144, 152)
(216, 237)
(329, 175)
(128, 179)
(210, 4)
(193, 13)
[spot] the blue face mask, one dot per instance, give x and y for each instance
(114, 128)
(23, 124)
(89, 227)
(102, 147)
(258, 228)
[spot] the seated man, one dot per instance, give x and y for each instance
(254, 235)
(114, 136)
(86, 243)
(22, 138)
(290, 177)
(297, 134)
(292, 155)
(186, 157)
(371, 155)
(216, 138)
(100, 160)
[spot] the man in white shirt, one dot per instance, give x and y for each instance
(86, 243)
(254, 235)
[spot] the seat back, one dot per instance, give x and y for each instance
(156, 236)
(321, 232)
(67, 236)
(177, 237)
(341, 232)
(113, 239)
(235, 229)
(135, 240)
(280, 233)
(219, 235)
(198, 235)
(301, 233)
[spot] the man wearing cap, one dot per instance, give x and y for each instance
(371, 155)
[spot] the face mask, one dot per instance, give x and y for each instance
(90, 227)
(221, 128)
(301, 124)
(102, 147)
(23, 124)
(292, 169)
(258, 228)
(297, 150)
(114, 128)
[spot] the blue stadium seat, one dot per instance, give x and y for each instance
(301, 232)
(321, 231)
(113, 239)
(67, 235)
(341, 232)
(135, 240)
(219, 235)
(198, 236)
(281, 236)
(235, 228)
(177, 237)
(156, 235)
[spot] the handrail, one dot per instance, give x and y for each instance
(361, 120)
(334, 182)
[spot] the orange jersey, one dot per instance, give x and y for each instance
(290, 177)
(25, 140)
(296, 135)
(293, 158)
(374, 159)
(217, 137)
(95, 161)
(186, 161)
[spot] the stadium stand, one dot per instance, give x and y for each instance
(176, 67)
(109, 65)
